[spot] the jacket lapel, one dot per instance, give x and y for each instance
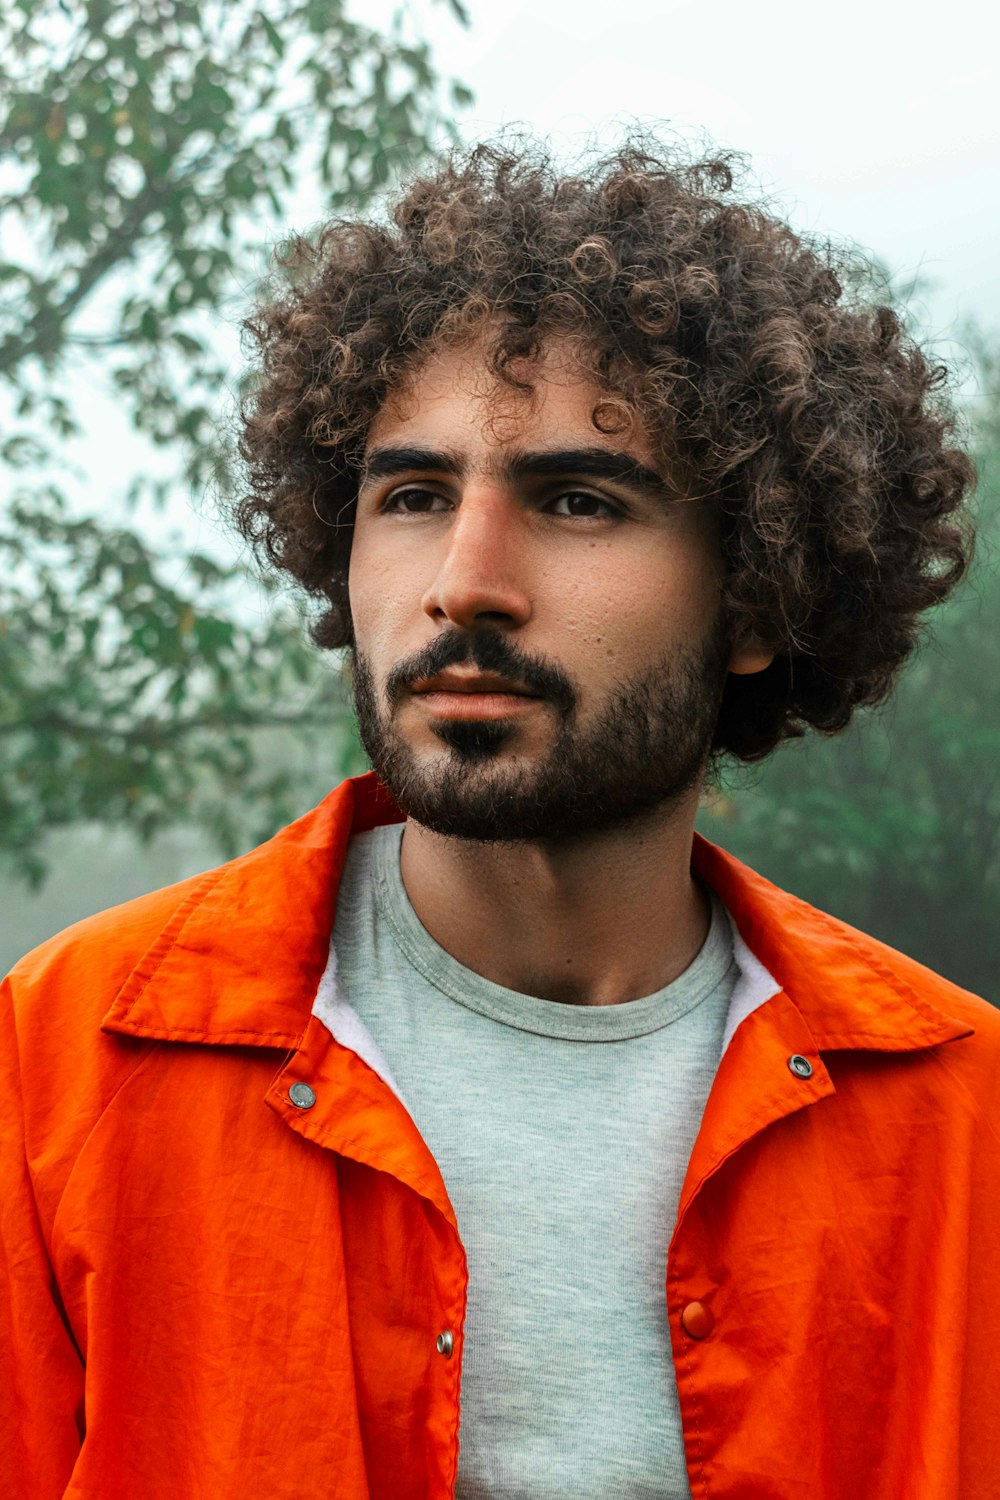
(811, 985)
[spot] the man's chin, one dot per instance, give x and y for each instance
(468, 793)
(509, 800)
(475, 741)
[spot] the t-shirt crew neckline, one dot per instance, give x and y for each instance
(585, 1023)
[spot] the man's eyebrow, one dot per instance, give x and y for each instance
(546, 463)
(383, 463)
(592, 463)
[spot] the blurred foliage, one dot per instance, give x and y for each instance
(148, 149)
(132, 705)
(894, 826)
(144, 142)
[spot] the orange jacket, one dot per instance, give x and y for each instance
(215, 1292)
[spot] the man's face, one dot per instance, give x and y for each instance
(538, 645)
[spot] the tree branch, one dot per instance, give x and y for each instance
(42, 333)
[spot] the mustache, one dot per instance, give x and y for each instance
(490, 651)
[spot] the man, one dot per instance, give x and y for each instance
(487, 1133)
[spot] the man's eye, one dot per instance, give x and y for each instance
(415, 502)
(579, 503)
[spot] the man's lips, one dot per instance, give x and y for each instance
(479, 695)
(477, 682)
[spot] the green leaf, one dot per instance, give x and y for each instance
(272, 34)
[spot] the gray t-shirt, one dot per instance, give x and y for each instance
(563, 1134)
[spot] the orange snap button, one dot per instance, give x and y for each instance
(697, 1320)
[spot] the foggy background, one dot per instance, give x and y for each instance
(874, 124)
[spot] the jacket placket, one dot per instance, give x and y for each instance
(770, 1071)
(404, 1216)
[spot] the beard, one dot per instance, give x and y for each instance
(645, 748)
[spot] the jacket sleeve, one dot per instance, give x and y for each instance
(41, 1373)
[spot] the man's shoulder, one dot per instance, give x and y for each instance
(252, 925)
(218, 956)
(899, 984)
(899, 968)
(903, 975)
(847, 982)
(92, 958)
(105, 947)
(59, 1068)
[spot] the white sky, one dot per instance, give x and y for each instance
(866, 120)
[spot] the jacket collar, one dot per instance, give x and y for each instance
(241, 954)
(853, 991)
(240, 957)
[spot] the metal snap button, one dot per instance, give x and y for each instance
(445, 1343)
(302, 1095)
(697, 1320)
(800, 1066)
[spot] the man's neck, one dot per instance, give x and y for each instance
(602, 920)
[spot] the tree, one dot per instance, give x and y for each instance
(150, 150)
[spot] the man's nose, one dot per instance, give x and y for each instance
(482, 574)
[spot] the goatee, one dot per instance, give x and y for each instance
(646, 748)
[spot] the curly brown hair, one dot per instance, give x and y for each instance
(821, 431)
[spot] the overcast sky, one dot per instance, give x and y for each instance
(867, 119)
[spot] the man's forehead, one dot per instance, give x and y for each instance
(467, 363)
(454, 401)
